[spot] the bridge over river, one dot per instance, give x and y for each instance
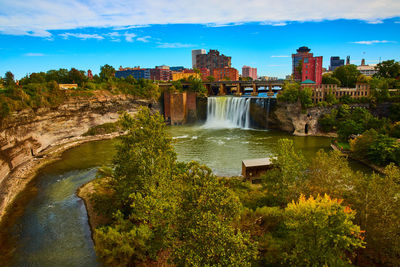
(236, 87)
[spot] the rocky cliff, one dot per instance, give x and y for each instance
(27, 134)
(291, 118)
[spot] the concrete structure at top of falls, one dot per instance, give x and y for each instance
(228, 112)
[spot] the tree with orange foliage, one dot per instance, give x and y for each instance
(321, 232)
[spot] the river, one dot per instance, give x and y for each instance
(48, 225)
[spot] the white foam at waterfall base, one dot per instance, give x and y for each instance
(228, 112)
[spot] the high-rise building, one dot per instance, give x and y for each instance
(348, 60)
(212, 60)
(312, 69)
(336, 62)
(226, 73)
(194, 55)
(302, 53)
(249, 72)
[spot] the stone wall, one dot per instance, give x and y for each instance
(180, 108)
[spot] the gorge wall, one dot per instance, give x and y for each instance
(27, 134)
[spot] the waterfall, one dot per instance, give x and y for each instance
(268, 107)
(228, 112)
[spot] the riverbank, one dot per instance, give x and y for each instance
(18, 180)
(366, 163)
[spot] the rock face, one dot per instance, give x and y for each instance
(27, 133)
(291, 118)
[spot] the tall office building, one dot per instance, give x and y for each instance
(302, 53)
(336, 62)
(194, 55)
(348, 60)
(312, 69)
(311, 66)
(249, 72)
(212, 60)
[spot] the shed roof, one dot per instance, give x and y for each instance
(257, 162)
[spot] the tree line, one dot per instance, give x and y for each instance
(42, 89)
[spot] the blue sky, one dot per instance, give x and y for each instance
(39, 35)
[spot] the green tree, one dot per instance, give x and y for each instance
(360, 145)
(9, 79)
(106, 72)
(348, 127)
(327, 78)
(363, 79)
(284, 182)
(321, 232)
(142, 191)
(330, 174)
(384, 150)
(388, 69)
(347, 75)
(290, 92)
(196, 85)
(331, 99)
(76, 76)
(381, 215)
(305, 97)
(206, 236)
(210, 78)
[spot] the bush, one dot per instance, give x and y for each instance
(347, 128)
(384, 150)
(106, 128)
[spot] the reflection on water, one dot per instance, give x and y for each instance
(53, 228)
(224, 149)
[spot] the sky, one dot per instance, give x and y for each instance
(39, 35)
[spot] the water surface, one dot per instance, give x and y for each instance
(53, 228)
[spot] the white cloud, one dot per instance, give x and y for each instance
(39, 17)
(375, 22)
(218, 25)
(274, 23)
(129, 36)
(373, 42)
(83, 36)
(174, 45)
(34, 54)
(281, 56)
(144, 39)
(124, 28)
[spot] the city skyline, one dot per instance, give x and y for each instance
(265, 41)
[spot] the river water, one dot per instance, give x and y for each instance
(49, 226)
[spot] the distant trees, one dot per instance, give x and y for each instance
(9, 79)
(106, 72)
(328, 78)
(292, 92)
(347, 75)
(388, 69)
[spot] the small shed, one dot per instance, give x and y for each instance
(253, 168)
